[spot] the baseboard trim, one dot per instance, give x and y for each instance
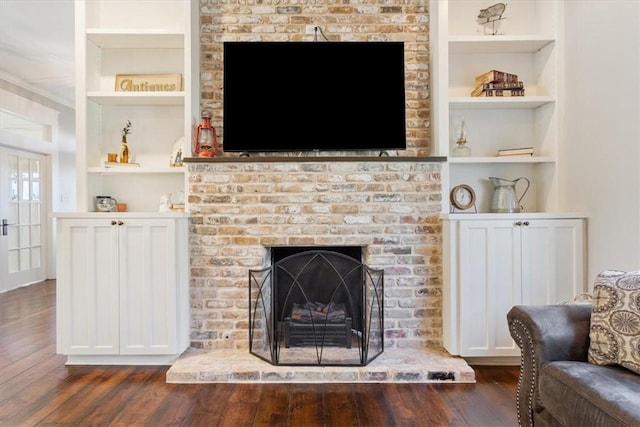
(493, 361)
(156, 360)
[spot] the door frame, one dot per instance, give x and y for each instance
(45, 112)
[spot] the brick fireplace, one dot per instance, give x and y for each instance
(387, 205)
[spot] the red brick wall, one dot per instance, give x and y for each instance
(281, 20)
(390, 208)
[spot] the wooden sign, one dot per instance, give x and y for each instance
(148, 82)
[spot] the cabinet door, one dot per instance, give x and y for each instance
(490, 270)
(147, 259)
(552, 260)
(87, 282)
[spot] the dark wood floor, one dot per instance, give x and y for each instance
(36, 388)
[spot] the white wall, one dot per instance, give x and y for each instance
(602, 132)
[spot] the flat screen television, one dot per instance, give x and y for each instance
(302, 96)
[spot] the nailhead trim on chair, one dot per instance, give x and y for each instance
(516, 332)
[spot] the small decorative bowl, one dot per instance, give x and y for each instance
(106, 205)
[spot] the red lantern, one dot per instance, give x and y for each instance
(206, 140)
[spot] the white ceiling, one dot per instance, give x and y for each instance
(37, 47)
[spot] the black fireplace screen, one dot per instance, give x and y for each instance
(316, 307)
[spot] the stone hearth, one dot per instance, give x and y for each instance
(231, 366)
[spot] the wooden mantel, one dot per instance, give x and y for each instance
(263, 159)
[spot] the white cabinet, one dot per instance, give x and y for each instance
(122, 288)
(139, 37)
(528, 45)
(493, 264)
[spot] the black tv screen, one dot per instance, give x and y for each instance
(300, 96)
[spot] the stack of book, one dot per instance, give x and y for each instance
(498, 83)
(524, 151)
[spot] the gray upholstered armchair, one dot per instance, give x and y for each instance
(557, 385)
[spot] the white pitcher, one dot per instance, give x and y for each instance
(505, 199)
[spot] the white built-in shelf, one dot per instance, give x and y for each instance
(491, 103)
(516, 216)
(144, 38)
(131, 170)
(505, 159)
(137, 98)
(497, 44)
(136, 39)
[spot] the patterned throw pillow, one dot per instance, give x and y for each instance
(615, 320)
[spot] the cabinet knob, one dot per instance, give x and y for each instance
(518, 223)
(120, 223)
(113, 222)
(525, 223)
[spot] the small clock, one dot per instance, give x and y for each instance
(463, 197)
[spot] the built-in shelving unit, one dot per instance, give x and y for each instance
(145, 37)
(127, 300)
(527, 44)
(492, 261)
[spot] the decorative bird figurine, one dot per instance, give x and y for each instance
(491, 17)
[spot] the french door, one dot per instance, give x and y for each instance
(23, 218)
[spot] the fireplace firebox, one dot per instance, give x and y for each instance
(316, 307)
